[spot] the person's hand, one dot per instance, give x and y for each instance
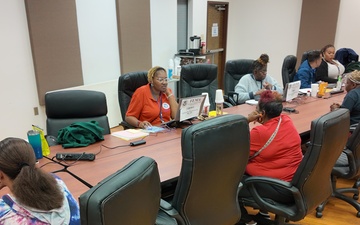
(260, 91)
(334, 106)
(144, 124)
(254, 116)
(268, 86)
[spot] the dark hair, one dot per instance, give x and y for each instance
(313, 55)
(326, 47)
(31, 186)
(271, 103)
(261, 62)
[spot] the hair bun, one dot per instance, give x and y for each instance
(264, 59)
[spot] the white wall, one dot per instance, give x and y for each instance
(255, 27)
(98, 40)
(347, 32)
(259, 26)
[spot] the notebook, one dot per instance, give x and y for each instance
(130, 134)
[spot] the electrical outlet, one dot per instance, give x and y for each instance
(36, 111)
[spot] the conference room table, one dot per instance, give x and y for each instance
(165, 147)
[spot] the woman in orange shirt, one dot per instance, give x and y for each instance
(153, 103)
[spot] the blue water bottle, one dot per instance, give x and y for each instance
(171, 68)
(35, 141)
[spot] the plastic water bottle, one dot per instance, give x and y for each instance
(339, 83)
(171, 68)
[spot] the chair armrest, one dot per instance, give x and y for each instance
(234, 96)
(126, 125)
(351, 161)
(51, 140)
(353, 127)
(171, 211)
(251, 182)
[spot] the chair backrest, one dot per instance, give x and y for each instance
(127, 85)
(234, 70)
(198, 78)
(328, 137)
(129, 196)
(304, 57)
(346, 56)
(288, 70)
(66, 107)
(215, 154)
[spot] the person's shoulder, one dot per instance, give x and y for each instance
(246, 77)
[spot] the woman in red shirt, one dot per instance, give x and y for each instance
(152, 103)
(275, 146)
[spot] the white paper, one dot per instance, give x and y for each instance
(251, 102)
(214, 30)
(292, 90)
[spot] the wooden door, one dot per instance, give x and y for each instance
(216, 34)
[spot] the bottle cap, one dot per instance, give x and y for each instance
(219, 98)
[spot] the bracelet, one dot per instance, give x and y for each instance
(169, 96)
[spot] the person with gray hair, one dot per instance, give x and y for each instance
(352, 98)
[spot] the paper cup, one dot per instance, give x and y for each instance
(314, 89)
(219, 98)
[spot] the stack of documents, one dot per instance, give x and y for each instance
(130, 134)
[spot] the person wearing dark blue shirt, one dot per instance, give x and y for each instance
(306, 72)
(352, 98)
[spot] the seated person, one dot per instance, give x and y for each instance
(153, 103)
(250, 86)
(275, 146)
(330, 69)
(37, 197)
(306, 72)
(352, 97)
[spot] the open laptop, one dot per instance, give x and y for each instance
(189, 108)
(291, 90)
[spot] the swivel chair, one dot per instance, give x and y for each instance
(66, 107)
(347, 167)
(234, 70)
(127, 85)
(130, 196)
(311, 184)
(288, 70)
(198, 78)
(211, 171)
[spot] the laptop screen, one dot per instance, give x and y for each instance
(291, 90)
(190, 107)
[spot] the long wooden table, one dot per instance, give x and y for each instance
(165, 148)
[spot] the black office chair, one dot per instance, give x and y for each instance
(347, 167)
(130, 196)
(212, 167)
(234, 70)
(288, 70)
(198, 78)
(66, 107)
(311, 184)
(127, 85)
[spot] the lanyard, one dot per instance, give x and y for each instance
(160, 107)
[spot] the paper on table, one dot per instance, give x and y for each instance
(251, 102)
(130, 134)
(304, 90)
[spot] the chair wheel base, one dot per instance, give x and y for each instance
(356, 197)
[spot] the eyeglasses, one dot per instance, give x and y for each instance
(162, 80)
